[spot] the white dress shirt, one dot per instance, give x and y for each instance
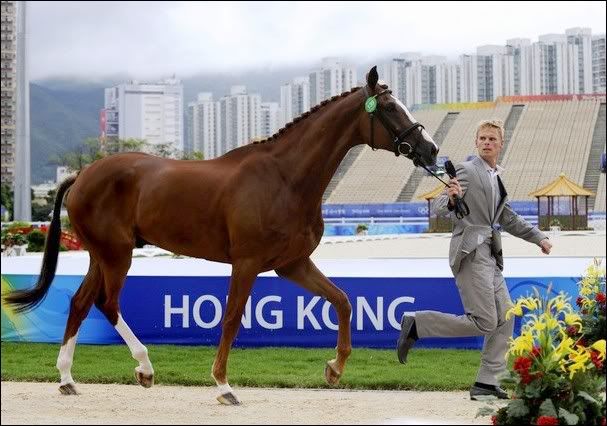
(495, 189)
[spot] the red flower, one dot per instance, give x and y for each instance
(526, 378)
(579, 301)
(537, 351)
(494, 420)
(547, 420)
(522, 364)
(582, 342)
(600, 297)
(594, 356)
(572, 330)
(603, 422)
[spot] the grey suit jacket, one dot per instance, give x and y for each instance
(478, 226)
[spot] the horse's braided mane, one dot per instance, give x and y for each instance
(306, 114)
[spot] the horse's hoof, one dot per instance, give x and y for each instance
(145, 380)
(331, 375)
(228, 399)
(68, 389)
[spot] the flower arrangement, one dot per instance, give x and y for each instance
(553, 375)
(13, 238)
(362, 229)
(591, 303)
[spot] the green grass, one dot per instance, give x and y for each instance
(427, 369)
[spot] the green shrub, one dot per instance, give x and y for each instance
(11, 238)
(35, 240)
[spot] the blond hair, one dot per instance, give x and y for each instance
(494, 123)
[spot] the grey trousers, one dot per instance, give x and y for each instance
(485, 297)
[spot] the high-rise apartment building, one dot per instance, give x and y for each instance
(582, 38)
(149, 111)
(333, 78)
(8, 86)
(16, 168)
(294, 99)
(570, 63)
(240, 119)
(270, 118)
(520, 50)
(204, 129)
(598, 64)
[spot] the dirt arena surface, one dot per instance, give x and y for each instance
(41, 403)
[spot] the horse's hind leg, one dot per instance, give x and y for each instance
(243, 277)
(114, 274)
(307, 275)
(79, 307)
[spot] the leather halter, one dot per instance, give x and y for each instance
(401, 146)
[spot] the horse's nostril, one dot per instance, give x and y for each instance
(434, 150)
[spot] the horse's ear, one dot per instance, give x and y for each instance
(372, 77)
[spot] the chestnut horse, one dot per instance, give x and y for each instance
(257, 207)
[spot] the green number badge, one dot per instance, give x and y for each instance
(370, 104)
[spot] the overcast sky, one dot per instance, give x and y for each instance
(157, 39)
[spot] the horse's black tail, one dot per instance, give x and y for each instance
(25, 300)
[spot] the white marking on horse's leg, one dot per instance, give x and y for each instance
(65, 360)
(225, 388)
(225, 393)
(138, 351)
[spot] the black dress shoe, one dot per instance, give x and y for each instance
(498, 392)
(405, 343)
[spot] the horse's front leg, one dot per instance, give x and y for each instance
(241, 282)
(307, 275)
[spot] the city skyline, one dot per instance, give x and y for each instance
(160, 39)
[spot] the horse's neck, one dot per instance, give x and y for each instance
(311, 156)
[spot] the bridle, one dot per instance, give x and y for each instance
(401, 146)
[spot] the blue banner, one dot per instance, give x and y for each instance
(188, 310)
(410, 209)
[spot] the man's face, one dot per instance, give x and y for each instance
(489, 144)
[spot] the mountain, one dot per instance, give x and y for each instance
(60, 120)
(65, 111)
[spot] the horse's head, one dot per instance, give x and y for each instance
(388, 124)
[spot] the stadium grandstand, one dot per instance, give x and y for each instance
(545, 136)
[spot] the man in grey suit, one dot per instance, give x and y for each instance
(475, 257)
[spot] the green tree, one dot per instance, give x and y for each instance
(92, 150)
(41, 213)
(164, 150)
(115, 145)
(194, 155)
(80, 157)
(8, 199)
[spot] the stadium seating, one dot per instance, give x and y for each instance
(599, 204)
(553, 135)
(459, 143)
(378, 176)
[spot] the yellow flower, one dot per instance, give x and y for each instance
(546, 321)
(559, 303)
(588, 303)
(578, 366)
(522, 344)
(586, 289)
(564, 348)
(599, 346)
(580, 361)
(516, 310)
(573, 319)
(530, 303)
